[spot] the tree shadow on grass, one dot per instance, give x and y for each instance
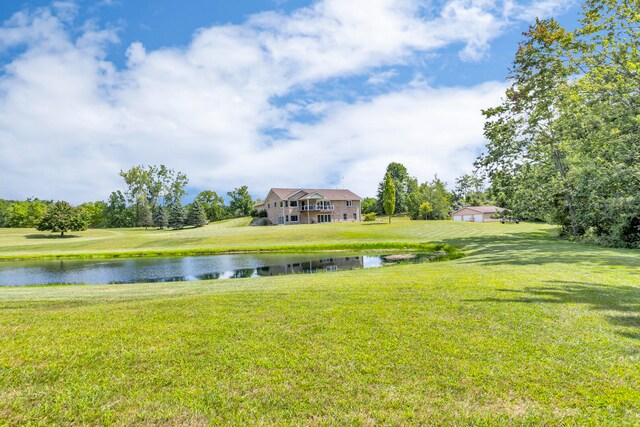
(50, 236)
(539, 248)
(621, 303)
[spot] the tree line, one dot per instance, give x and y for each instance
(430, 200)
(564, 143)
(153, 198)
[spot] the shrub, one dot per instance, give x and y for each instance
(371, 216)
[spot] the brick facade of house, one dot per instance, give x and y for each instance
(286, 206)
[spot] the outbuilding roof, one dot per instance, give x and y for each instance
(481, 209)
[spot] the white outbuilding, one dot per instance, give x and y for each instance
(477, 214)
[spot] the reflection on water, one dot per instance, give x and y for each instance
(174, 269)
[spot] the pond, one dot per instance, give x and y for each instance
(173, 269)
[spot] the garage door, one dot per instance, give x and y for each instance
(457, 218)
(477, 218)
(467, 217)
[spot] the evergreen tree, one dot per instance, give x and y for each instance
(176, 216)
(389, 196)
(145, 218)
(197, 216)
(160, 217)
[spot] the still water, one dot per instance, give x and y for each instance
(172, 269)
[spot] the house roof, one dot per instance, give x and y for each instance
(337, 194)
(481, 209)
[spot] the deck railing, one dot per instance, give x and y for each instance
(317, 208)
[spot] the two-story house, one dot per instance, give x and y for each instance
(310, 206)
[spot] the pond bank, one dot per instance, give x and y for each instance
(450, 252)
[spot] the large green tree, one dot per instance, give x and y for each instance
(241, 203)
(369, 205)
(400, 178)
(213, 205)
(196, 216)
(389, 196)
(4, 213)
(160, 218)
(116, 213)
(470, 191)
(61, 217)
(26, 214)
(95, 212)
(435, 194)
(177, 218)
(145, 216)
(154, 185)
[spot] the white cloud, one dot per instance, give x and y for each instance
(69, 120)
(531, 10)
(428, 130)
(382, 77)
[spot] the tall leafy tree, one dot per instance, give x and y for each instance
(26, 214)
(213, 205)
(61, 217)
(4, 213)
(529, 148)
(241, 203)
(439, 199)
(116, 213)
(369, 205)
(400, 178)
(470, 191)
(154, 184)
(389, 196)
(95, 212)
(435, 195)
(415, 197)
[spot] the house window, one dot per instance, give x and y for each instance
(355, 215)
(281, 204)
(324, 218)
(344, 216)
(293, 203)
(294, 218)
(268, 205)
(287, 218)
(349, 203)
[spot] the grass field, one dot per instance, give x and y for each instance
(525, 329)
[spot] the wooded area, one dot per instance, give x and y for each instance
(564, 145)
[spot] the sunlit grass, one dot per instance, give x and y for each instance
(526, 329)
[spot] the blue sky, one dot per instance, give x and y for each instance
(263, 93)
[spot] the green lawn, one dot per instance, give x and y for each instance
(525, 329)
